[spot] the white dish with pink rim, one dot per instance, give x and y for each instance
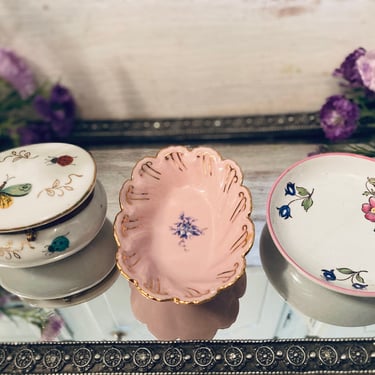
(184, 227)
(321, 216)
(309, 297)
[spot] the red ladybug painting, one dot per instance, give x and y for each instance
(62, 160)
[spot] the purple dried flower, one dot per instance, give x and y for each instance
(366, 68)
(339, 117)
(15, 71)
(35, 133)
(52, 328)
(4, 299)
(59, 110)
(348, 69)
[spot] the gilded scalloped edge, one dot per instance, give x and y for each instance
(147, 162)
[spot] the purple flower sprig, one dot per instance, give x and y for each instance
(49, 322)
(339, 117)
(30, 113)
(16, 72)
(58, 113)
(343, 114)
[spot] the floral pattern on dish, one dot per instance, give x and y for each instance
(301, 194)
(16, 155)
(185, 229)
(354, 277)
(333, 233)
(369, 208)
(58, 188)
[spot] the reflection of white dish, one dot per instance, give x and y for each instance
(78, 298)
(68, 276)
(309, 297)
(58, 240)
(321, 216)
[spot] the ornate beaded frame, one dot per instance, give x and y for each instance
(274, 357)
(301, 356)
(197, 129)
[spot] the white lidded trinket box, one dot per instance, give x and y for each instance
(55, 239)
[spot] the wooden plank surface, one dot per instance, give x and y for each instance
(261, 164)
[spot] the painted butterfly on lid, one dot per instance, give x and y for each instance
(8, 193)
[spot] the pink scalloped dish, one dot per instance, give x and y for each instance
(184, 227)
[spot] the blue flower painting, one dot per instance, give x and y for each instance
(185, 228)
(298, 193)
(354, 277)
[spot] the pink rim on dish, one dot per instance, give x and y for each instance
(321, 217)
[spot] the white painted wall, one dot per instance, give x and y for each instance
(147, 58)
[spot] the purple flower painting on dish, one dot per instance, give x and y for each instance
(301, 194)
(185, 229)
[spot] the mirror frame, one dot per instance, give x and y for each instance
(213, 129)
(277, 356)
(292, 356)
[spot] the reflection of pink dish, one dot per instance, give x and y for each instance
(171, 321)
(184, 228)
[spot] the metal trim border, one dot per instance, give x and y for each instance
(273, 357)
(254, 127)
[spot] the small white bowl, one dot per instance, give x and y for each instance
(309, 297)
(68, 276)
(321, 216)
(57, 240)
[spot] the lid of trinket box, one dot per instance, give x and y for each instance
(41, 183)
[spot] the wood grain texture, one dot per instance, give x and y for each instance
(261, 165)
(146, 58)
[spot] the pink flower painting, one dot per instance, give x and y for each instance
(369, 209)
